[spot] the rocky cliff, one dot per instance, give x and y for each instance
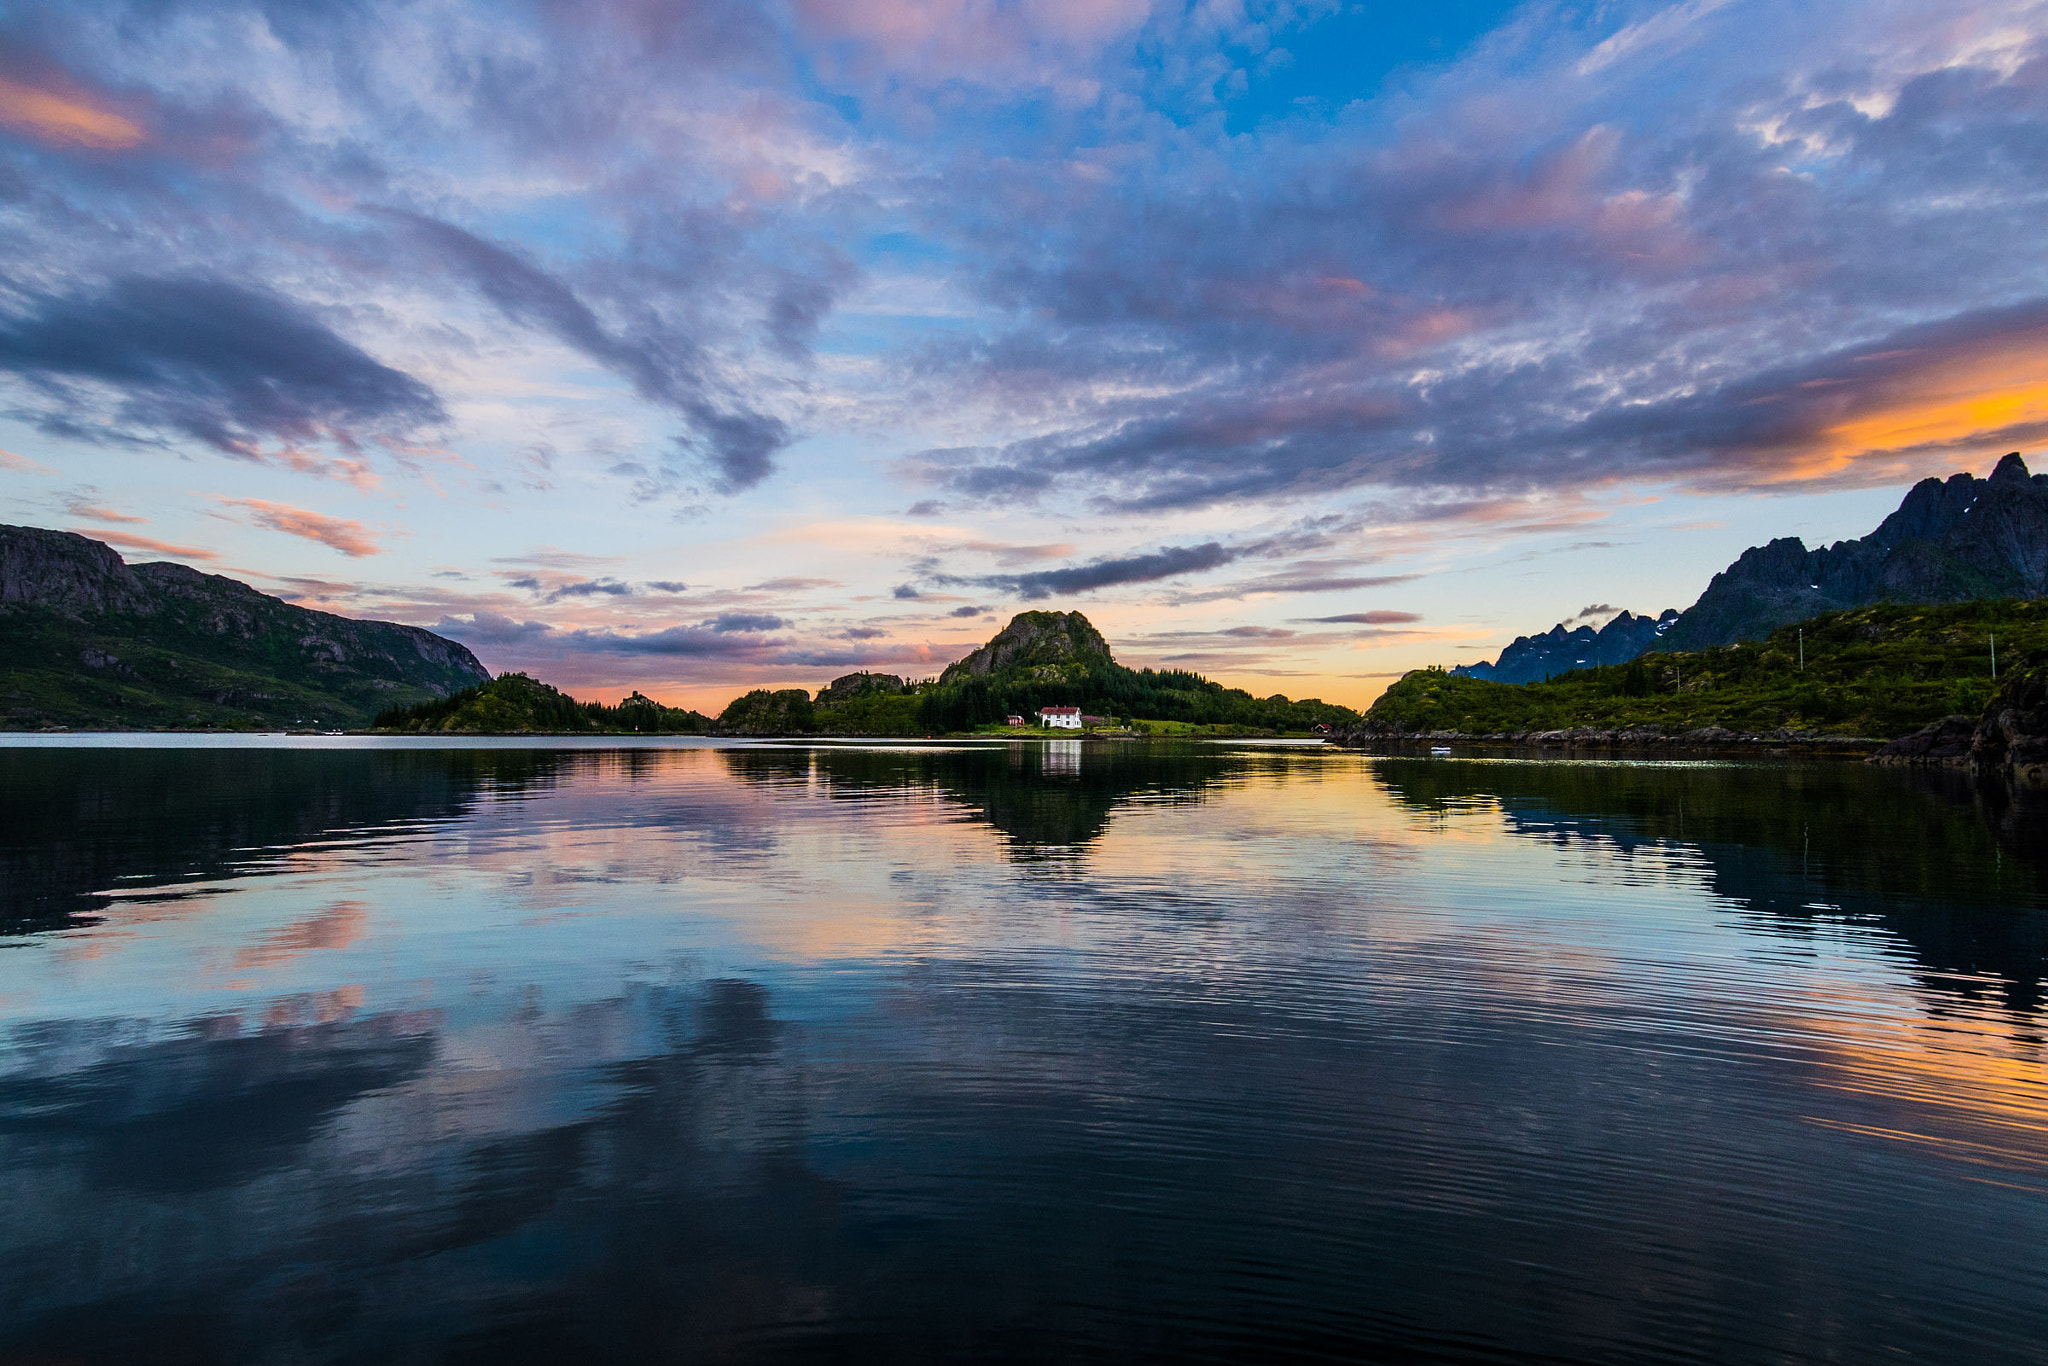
(89, 641)
(1532, 659)
(1951, 540)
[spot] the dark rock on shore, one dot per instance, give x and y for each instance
(2010, 739)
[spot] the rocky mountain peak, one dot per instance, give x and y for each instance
(2011, 470)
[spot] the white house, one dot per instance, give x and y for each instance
(1063, 718)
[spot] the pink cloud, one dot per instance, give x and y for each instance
(58, 111)
(10, 461)
(351, 538)
(130, 542)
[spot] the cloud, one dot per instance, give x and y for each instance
(905, 591)
(1362, 619)
(668, 586)
(351, 538)
(1598, 609)
(1295, 581)
(126, 541)
(699, 642)
(663, 366)
(83, 507)
(746, 621)
(21, 463)
(227, 364)
(485, 627)
(59, 112)
(791, 585)
(968, 612)
(553, 557)
(1969, 381)
(584, 588)
(1166, 563)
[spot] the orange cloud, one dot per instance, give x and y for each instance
(68, 117)
(1945, 393)
(351, 538)
(131, 542)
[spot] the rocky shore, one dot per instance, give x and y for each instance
(2010, 738)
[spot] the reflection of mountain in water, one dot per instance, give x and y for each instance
(1044, 797)
(1956, 869)
(78, 821)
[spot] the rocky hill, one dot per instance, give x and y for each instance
(90, 642)
(1532, 659)
(1953, 540)
(1043, 645)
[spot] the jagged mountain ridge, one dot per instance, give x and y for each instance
(88, 640)
(1952, 540)
(1532, 659)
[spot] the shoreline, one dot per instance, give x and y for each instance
(1642, 741)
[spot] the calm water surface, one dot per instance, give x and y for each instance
(335, 1053)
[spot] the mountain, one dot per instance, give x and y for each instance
(1951, 540)
(1043, 645)
(88, 641)
(1532, 659)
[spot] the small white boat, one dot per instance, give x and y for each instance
(1439, 749)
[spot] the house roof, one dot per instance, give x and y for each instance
(1059, 711)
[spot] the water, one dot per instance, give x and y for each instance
(334, 1052)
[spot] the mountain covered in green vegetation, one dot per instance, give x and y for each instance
(89, 642)
(514, 702)
(1881, 671)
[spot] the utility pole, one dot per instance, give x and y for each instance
(1802, 649)
(1994, 656)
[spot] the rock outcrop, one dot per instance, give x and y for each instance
(1041, 644)
(1951, 540)
(849, 686)
(1532, 659)
(2009, 740)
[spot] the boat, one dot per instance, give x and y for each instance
(1439, 749)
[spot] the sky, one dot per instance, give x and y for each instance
(701, 345)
